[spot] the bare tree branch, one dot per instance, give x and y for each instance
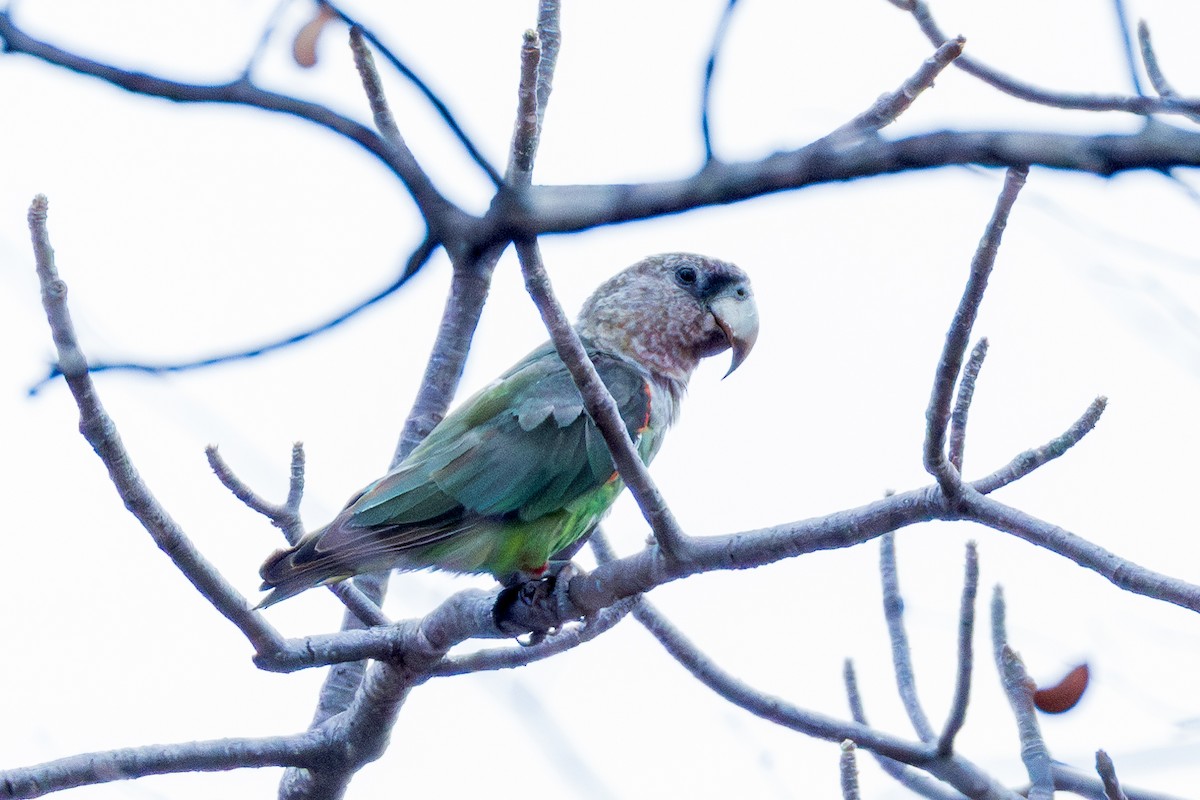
(1030, 460)
(1033, 94)
(966, 652)
(431, 96)
(286, 517)
(1108, 774)
(1069, 779)
(710, 66)
(893, 612)
(563, 209)
(952, 769)
(909, 777)
(348, 684)
(1123, 574)
(241, 92)
(889, 107)
(950, 364)
(364, 62)
(101, 433)
(88, 769)
(849, 772)
(770, 708)
(1158, 78)
(962, 404)
(564, 639)
(415, 262)
(1019, 689)
(1127, 46)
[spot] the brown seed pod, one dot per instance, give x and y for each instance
(1063, 695)
(304, 48)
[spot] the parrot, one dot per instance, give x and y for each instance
(519, 471)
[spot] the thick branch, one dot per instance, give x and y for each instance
(217, 755)
(562, 209)
(1124, 574)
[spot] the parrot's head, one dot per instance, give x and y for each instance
(669, 311)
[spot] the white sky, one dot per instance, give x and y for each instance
(186, 230)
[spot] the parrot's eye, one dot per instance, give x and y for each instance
(686, 275)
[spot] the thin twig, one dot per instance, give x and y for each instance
(1108, 774)
(280, 516)
(295, 484)
(264, 38)
(527, 127)
(962, 404)
(710, 66)
(286, 517)
(419, 258)
(550, 35)
(848, 767)
(966, 653)
(888, 108)
(1033, 94)
(431, 96)
(1019, 689)
(1158, 78)
(953, 769)
(950, 364)
(772, 709)
(1127, 46)
(364, 62)
(101, 433)
(1069, 779)
(893, 612)
(919, 783)
(1028, 461)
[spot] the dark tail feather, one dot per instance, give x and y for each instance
(285, 578)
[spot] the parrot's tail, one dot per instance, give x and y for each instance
(286, 573)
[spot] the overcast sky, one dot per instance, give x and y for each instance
(185, 231)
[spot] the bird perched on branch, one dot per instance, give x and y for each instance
(519, 471)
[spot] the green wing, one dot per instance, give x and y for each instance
(521, 448)
(512, 475)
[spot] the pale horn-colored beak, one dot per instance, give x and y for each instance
(737, 316)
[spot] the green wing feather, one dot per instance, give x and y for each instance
(513, 474)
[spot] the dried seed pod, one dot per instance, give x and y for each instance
(1063, 695)
(304, 48)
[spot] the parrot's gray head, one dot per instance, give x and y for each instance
(668, 311)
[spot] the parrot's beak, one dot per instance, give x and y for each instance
(737, 316)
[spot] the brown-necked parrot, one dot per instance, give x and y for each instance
(519, 471)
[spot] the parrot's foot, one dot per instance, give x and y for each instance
(536, 607)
